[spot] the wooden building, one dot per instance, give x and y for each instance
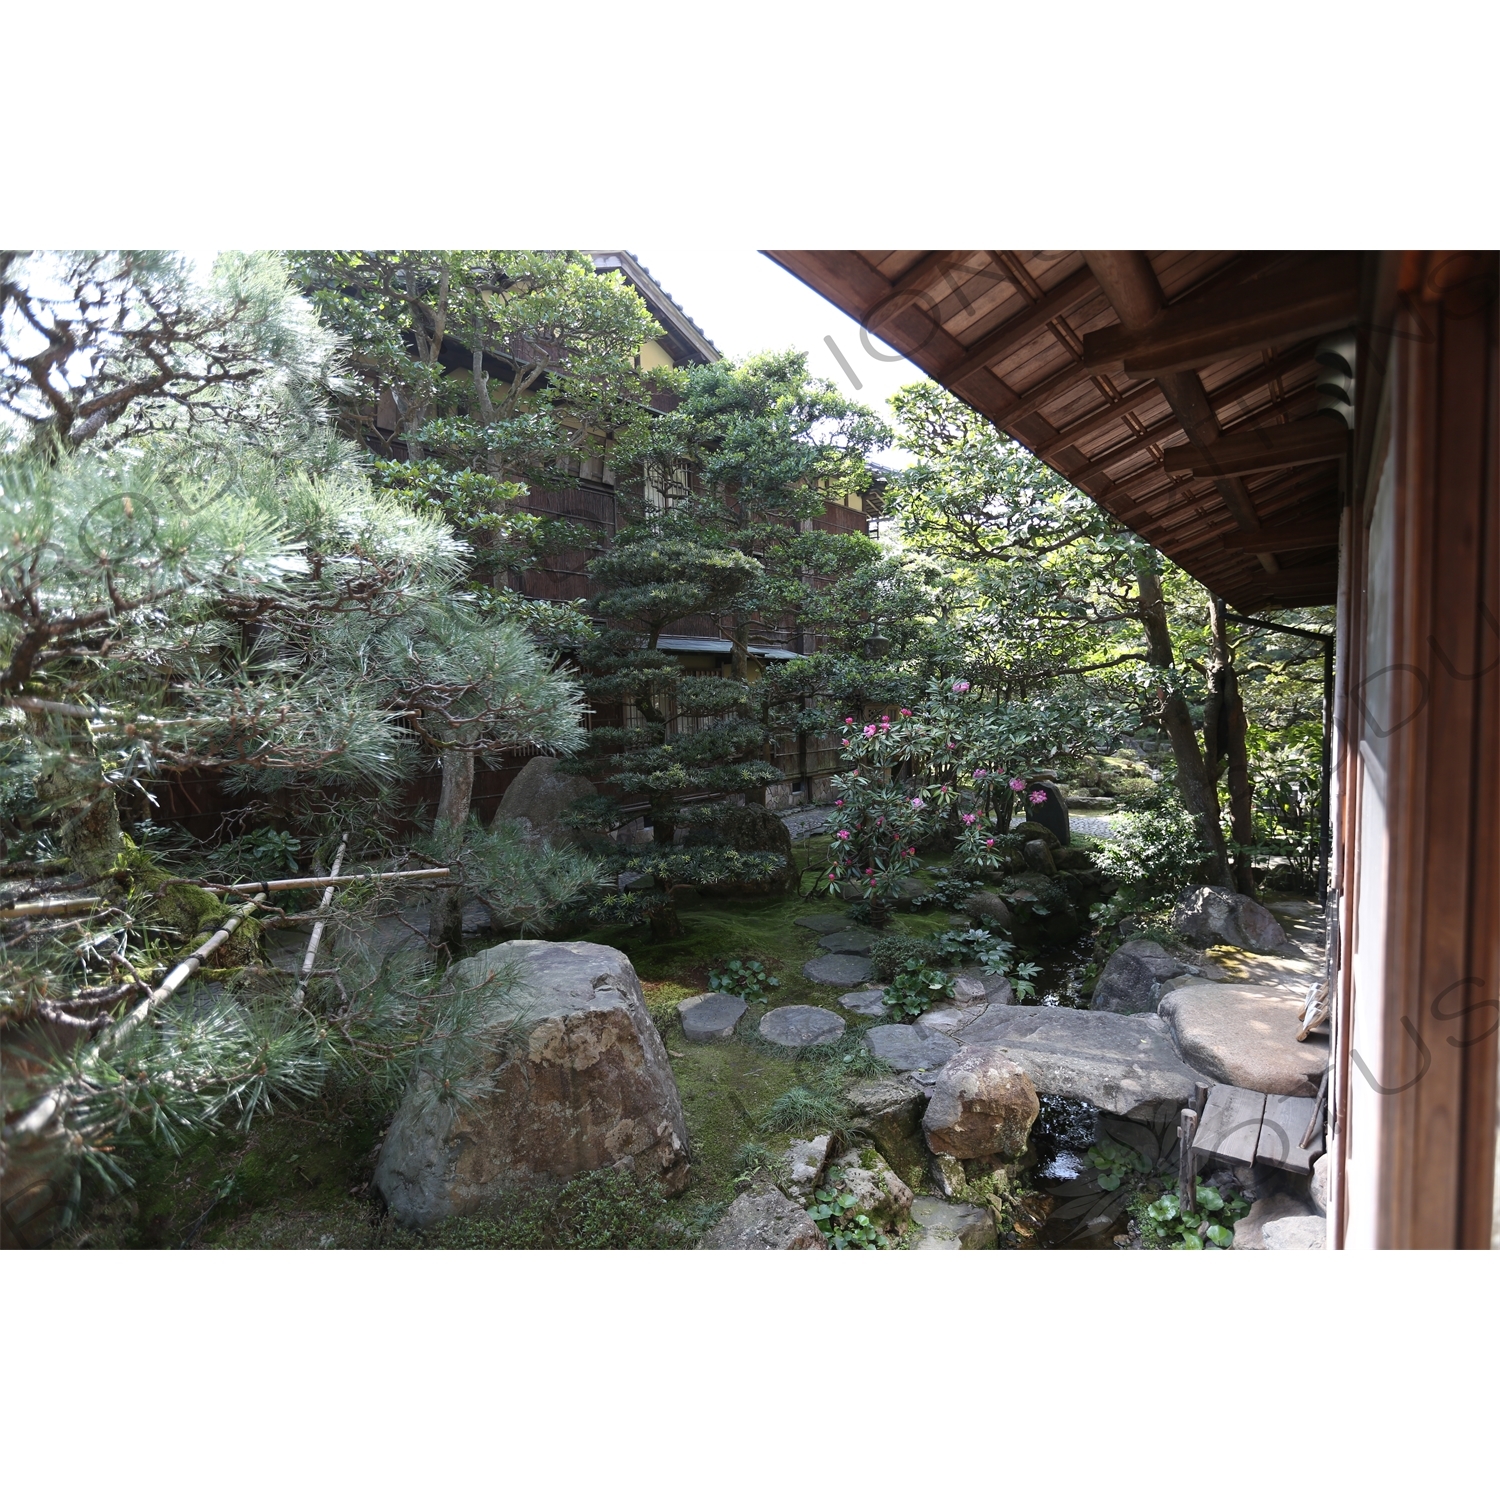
(1300, 428)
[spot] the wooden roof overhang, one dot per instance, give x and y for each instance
(1175, 388)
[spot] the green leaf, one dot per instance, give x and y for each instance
(1190, 1241)
(1210, 1198)
(1221, 1236)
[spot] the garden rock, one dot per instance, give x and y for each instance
(1249, 1232)
(806, 1162)
(843, 969)
(801, 1026)
(997, 989)
(1245, 1034)
(864, 1002)
(1033, 830)
(947, 1174)
(540, 795)
(1123, 1065)
(826, 921)
(889, 1112)
(1318, 1189)
(711, 1017)
(574, 1078)
(983, 1105)
(1215, 914)
(987, 907)
(1299, 1232)
(952, 1226)
(1039, 857)
(857, 940)
(1052, 812)
(878, 1191)
(764, 1218)
(1131, 982)
(907, 892)
(968, 989)
(908, 1049)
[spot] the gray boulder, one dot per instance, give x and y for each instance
(764, 1218)
(947, 1173)
(1131, 982)
(888, 1111)
(986, 906)
(1123, 1065)
(801, 1026)
(806, 1162)
(1319, 1189)
(540, 795)
(907, 1049)
(952, 1226)
(842, 969)
(1250, 1233)
(574, 1077)
(1297, 1232)
(983, 1104)
(1215, 914)
(1245, 1034)
(711, 1017)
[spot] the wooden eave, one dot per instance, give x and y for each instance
(1033, 341)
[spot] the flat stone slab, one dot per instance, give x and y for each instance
(909, 1049)
(1245, 1035)
(843, 969)
(1124, 1065)
(855, 940)
(801, 1026)
(711, 1017)
(951, 1226)
(826, 921)
(865, 1002)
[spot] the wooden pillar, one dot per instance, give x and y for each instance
(1431, 1092)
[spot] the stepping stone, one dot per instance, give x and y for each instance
(906, 1049)
(853, 941)
(843, 969)
(801, 1026)
(864, 1002)
(1123, 1065)
(826, 921)
(711, 1017)
(1245, 1035)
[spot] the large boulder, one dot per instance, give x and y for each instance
(572, 1076)
(1122, 1065)
(987, 907)
(1131, 982)
(764, 1218)
(1281, 1209)
(1245, 1034)
(1051, 812)
(982, 1104)
(806, 1162)
(909, 1049)
(1215, 914)
(888, 1111)
(540, 795)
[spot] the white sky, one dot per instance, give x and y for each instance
(746, 303)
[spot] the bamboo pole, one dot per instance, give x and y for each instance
(318, 882)
(317, 933)
(40, 1115)
(51, 908)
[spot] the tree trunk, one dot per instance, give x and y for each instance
(1224, 740)
(665, 923)
(446, 925)
(1194, 785)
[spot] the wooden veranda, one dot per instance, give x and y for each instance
(1300, 428)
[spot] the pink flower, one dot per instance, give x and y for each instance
(906, 713)
(978, 774)
(869, 870)
(945, 788)
(843, 833)
(839, 803)
(1038, 797)
(960, 687)
(951, 745)
(989, 843)
(918, 803)
(846, 744)
(1016, 784)
(848, 721)
(970, 818)
(869, 730)
(912, 850)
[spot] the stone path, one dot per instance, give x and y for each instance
(801, 1026)
(803, 821)
(856, 940)
(826, 921)
(711, 1017)
(864, 1002)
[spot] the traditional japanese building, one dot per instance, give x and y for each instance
(1295, 429)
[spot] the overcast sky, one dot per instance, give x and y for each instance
(746, 303)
